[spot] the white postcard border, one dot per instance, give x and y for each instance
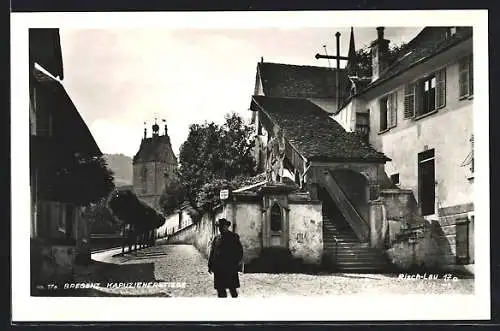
(332, 308)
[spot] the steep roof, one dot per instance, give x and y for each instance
(295, 81)
(428, 43)
(45, 49)
(156, 149)
(313, 133)
(68, 127)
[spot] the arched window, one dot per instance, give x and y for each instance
(275, 218)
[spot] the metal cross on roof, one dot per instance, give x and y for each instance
(337, 57)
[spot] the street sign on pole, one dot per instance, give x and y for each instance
(224, 194)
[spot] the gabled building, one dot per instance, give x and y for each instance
(58, 136)
(153, 166)
(418, 111)
(375, 155)
(315, 84)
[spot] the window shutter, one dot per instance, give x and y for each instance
(409, 100)
(463, 79)
(388, 112)
(393, 113)
(441, 88)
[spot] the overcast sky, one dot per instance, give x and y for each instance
(119, 79)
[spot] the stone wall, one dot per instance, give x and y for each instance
(422, 248)
(205, 231)
(248, 218)
(306, 232)
(400, 212)
(413, 242)
(451, 218)
(174, 222)
(435, 244)
(305, 239)
(186, 235)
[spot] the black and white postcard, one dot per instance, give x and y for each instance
(326, 165)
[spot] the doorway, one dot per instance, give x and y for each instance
(276, 226)
(426, 182)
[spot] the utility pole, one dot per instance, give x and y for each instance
(338, 58)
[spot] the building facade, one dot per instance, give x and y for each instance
(153, 166)
(419, 111)
(58, 135)
(381, 175)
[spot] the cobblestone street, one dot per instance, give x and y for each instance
(172, 266)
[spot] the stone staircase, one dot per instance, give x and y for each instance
(344, 252)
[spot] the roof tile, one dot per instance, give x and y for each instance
(429, 42)
(315, 134)
(294, 81)
(155, 149)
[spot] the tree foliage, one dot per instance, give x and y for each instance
(213, 154)
(101, 218)
(129, 209)
(172, 196)
(364, 59)
(81, 180)
(208, 196)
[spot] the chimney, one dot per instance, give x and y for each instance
(145, 130)
(379, 52)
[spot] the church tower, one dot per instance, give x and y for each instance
(153, 166)
(351, 62)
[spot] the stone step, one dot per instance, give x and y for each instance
(334, 233)
(355, 251)
(351, 251)
(359, 265)
(343, 261)
(360, 257)
(352, 245)
(342, 240)
(368, 268)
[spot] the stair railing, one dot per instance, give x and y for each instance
(359, 226)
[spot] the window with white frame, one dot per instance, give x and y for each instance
(466, 77)
(388, 111)
(425, 95)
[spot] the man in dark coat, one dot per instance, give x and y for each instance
(224, 261)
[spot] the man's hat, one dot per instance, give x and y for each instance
(222, 221)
